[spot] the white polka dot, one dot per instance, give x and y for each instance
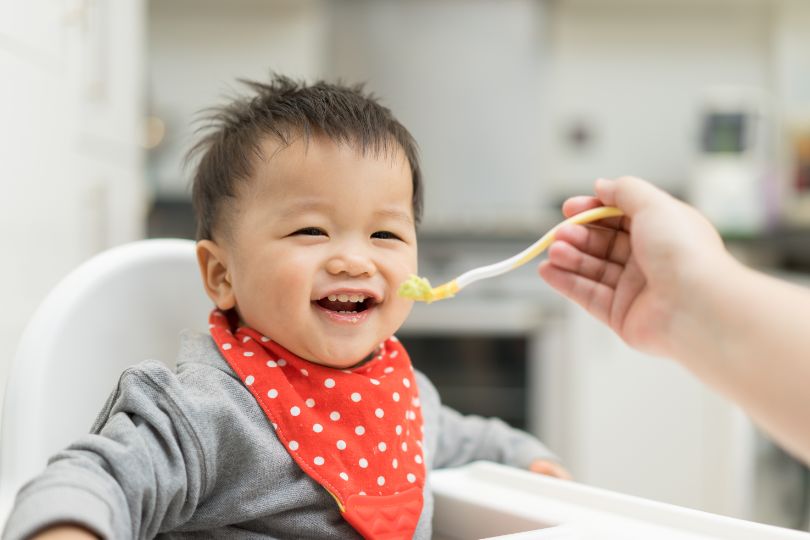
(404, 446)
(406, 383)
(310, 402)
(329, 383)
(411, 478)
(334, 415)
(394, 354)
(245, 339)
(411, 415)
(394, 338)
(275, 426)
(304, 372)
(272, 393)
(295, 411)
(382, 446)
(282, 362)
(389, 369)
(317, 428)
(394, 463)
(380, 480)
(399, 430)
(395, 396)
(249, 380)
(375, 382)
(359, 430)
(344, 476)
(363, 463)
(226, 346)
(247, 353)
(271, 363)
(415, 402)
(318, 460)
(212, 326)
(293, 445)
(379, 413)
(341, 445)
(417, 458)
(363, 493)
(265, 339)
(356, 397)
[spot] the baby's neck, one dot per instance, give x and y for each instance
(367, 359)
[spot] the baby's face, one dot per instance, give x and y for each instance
(322, 238)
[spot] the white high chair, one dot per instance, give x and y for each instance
(128, 304)
(122, 306)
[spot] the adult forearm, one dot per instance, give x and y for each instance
(748, 335)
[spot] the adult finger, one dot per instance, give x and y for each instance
(629, 193)
(601, 242)
(596, 298)
(578, 204)
(566, 257)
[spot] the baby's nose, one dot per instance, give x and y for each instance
(353, 264)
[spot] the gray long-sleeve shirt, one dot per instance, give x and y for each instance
(189, 453)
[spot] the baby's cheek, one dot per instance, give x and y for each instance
(400, 309)
(294, 283)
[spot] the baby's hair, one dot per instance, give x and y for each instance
(285, 109)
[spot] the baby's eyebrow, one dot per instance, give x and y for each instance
(305, 205)
(316, 205)
(395, 214)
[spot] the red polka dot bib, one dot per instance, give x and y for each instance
(357, 432)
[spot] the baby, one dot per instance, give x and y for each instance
(300, 415)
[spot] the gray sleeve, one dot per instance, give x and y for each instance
(463, 439)
(139, 472)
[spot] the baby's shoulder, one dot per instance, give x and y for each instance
(427, 391)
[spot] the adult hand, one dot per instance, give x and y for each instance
(636, 273)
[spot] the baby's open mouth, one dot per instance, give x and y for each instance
(346, 303)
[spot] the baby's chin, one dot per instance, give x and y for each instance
(344, 362)
(343, 357)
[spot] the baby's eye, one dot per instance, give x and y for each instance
(310, 231)
(385, 235)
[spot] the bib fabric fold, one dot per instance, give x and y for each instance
(357, 432)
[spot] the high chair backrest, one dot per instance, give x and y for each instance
(122, 306)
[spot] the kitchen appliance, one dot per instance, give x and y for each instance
(733, 181)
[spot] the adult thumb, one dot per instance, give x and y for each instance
(628, 193)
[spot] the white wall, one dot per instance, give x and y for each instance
(633, 72)
(197, 50)
(71, 166)
(466, 78)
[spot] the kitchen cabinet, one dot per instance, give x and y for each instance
(644, 426)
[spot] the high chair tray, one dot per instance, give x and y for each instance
(487, 500)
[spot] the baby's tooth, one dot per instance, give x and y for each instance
(354, 298)
(343, 297)
(332, 297)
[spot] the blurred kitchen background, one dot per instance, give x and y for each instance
(516, 105)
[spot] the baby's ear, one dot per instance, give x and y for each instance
(214, 271)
